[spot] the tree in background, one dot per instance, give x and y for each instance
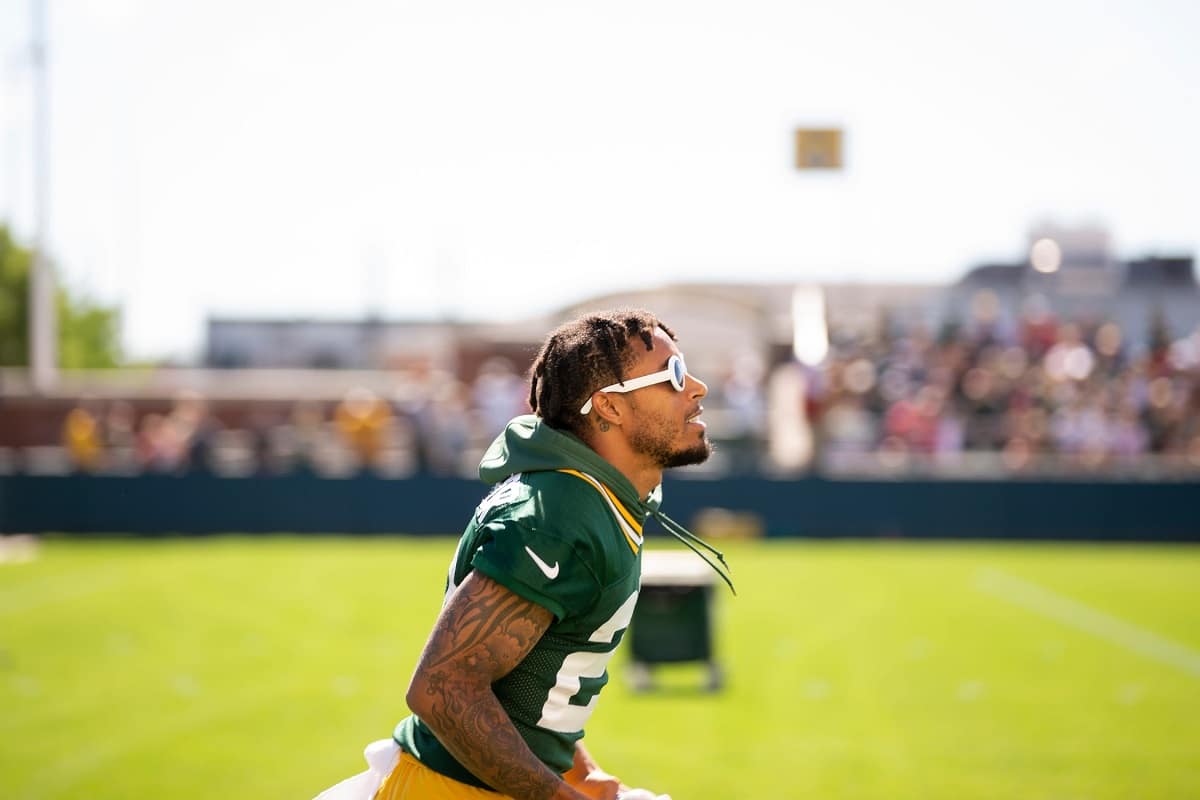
(87, 332)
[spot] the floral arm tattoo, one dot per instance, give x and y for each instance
(484, 631)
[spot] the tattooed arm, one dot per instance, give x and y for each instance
(484, 631)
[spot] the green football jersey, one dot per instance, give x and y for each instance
(565, 540)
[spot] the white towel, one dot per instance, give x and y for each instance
(381, 759)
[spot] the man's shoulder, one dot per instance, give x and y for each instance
(539, 497)
(564, 503)
(568, 490)
(574, 503)
(566, 482)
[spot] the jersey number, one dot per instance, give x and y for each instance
(576, 687)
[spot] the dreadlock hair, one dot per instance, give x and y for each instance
(583, 355)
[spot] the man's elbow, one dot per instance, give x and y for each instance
(418, 696)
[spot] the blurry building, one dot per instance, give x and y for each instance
(1071, 271)
(1074, 273)
(367, 344)
(322, 344)
(719, 321)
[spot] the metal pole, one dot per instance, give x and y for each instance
(43, 327)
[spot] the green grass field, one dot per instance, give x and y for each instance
(259, 667)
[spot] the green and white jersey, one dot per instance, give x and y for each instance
(564, 540)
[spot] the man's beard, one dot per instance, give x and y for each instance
(697, 454)
(653, 441)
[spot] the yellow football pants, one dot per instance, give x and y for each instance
(412, 780)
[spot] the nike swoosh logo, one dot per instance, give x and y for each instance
(547, 570)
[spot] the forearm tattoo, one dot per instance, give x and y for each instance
(484, 631)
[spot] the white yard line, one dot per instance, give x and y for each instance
(1075, 614)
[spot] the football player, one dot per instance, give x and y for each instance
(546, 575)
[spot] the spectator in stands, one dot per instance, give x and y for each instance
(120, 437)
(159, 447)
(741, 435)
(298, 447)
(363, 418)
(83, 438)
(435, 401)
(498, 394)
(195, 431)
(790, 445)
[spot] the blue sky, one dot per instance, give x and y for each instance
(494, 160)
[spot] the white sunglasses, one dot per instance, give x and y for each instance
(676, 373)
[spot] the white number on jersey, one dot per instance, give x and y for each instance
(559, 713)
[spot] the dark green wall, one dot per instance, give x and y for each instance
(155, 504)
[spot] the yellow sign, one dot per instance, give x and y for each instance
(819, 148)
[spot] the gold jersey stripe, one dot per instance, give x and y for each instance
(615, 501)
(632, 534)
(633, 523)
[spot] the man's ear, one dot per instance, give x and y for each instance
(606, 410)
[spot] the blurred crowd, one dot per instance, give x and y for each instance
(1072, 395)
(1035, 394)
(428, 423)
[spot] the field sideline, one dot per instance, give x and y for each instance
(239, 667)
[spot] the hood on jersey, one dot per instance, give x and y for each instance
(530, 445)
